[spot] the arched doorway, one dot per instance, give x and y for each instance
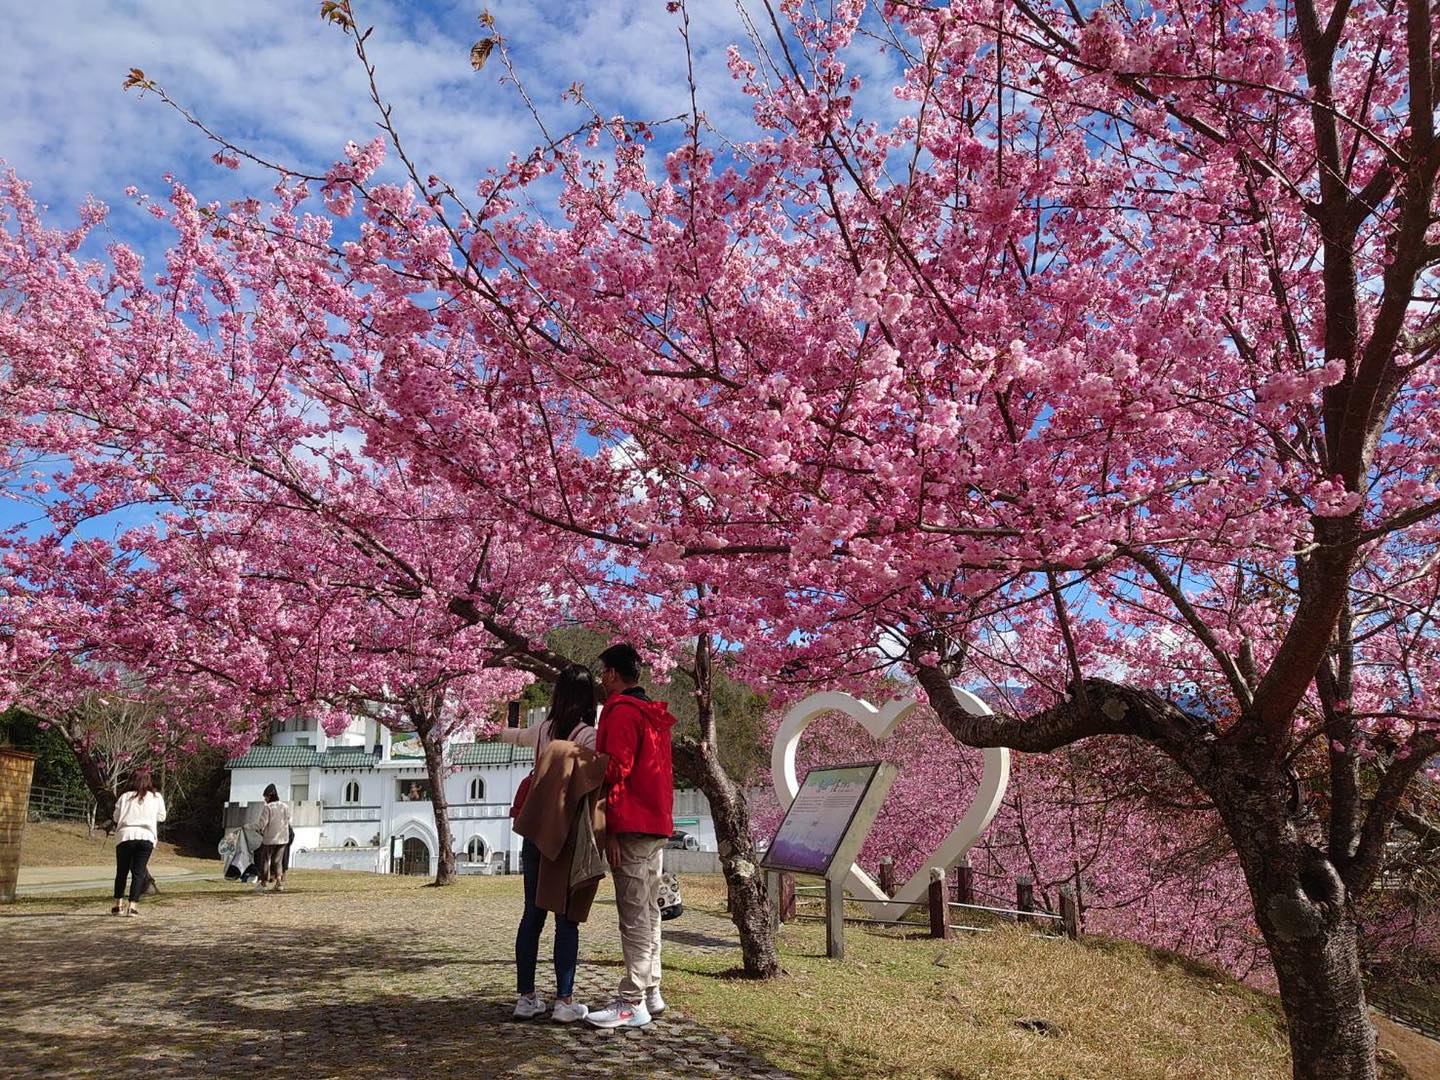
(415, 857)
(476, 851)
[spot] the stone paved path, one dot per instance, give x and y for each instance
(343, 976)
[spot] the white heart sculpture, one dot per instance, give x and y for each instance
(880, 723)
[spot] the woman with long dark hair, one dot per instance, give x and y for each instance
(138, 813)
(571, 717)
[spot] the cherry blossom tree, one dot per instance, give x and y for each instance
(1118, 342)
(1099, 363)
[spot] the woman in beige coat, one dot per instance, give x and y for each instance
(572, 717)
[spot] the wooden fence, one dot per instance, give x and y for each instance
(943, 906)
(59, 804)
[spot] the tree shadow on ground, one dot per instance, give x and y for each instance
(101, 996)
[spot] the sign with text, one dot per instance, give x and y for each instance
(834, 805)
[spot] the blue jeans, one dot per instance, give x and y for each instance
(527, 938)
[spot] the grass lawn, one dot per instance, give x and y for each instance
(903, 1005)
(899, 1005)
(66, 844)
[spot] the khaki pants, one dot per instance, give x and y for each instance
(637, 895)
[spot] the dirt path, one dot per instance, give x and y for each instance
(1419, 1055)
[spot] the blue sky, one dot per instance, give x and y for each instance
(271, 75)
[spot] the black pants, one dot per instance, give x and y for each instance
(132, 857)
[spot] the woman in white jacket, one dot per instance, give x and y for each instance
(138, 814)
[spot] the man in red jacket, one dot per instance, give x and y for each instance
(639, 797)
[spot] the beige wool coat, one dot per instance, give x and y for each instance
(566, 785)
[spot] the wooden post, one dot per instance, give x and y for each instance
(834, 919)
(787, 897)
(1025, 898)
(1069, 912)
(887, 875)
(772, 896)
(939, 908)
(964, 882)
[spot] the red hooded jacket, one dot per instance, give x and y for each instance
(635, 732)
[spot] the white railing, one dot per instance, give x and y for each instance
(474, 811)
(304, 813)
(352, 813)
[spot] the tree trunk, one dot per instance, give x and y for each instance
(428, 729)
(744, 882)
(1324, 996)
(1308, 920)
(93, 771)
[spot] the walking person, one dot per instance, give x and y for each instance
(571, 718)
(275, 836)
(639, 800)
(138, 813)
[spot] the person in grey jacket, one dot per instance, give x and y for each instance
(274, 827)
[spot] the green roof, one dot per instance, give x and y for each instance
(490, 753)
(357, 757)
(347, 757)
(276, 757)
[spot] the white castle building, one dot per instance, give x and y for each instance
(361, 799)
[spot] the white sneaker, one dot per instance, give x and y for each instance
(620, 1014)
(654, 1003)
(568, 1012)
(259, 886)
(527, 1007)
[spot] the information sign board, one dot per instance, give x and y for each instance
(834, 804)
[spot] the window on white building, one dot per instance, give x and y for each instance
(475, 850)
(350, 843)
(352, 792)
(299, 785)
(477, 790)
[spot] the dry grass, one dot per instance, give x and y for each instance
(906, 1006)
(65, 844)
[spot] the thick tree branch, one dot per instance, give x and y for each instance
(1361, 871)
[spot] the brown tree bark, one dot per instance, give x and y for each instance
(94, 775)
(699, 763)
(1306, 915)
(427, 727)
(1303, 895)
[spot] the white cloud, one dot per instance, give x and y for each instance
(273, 77)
